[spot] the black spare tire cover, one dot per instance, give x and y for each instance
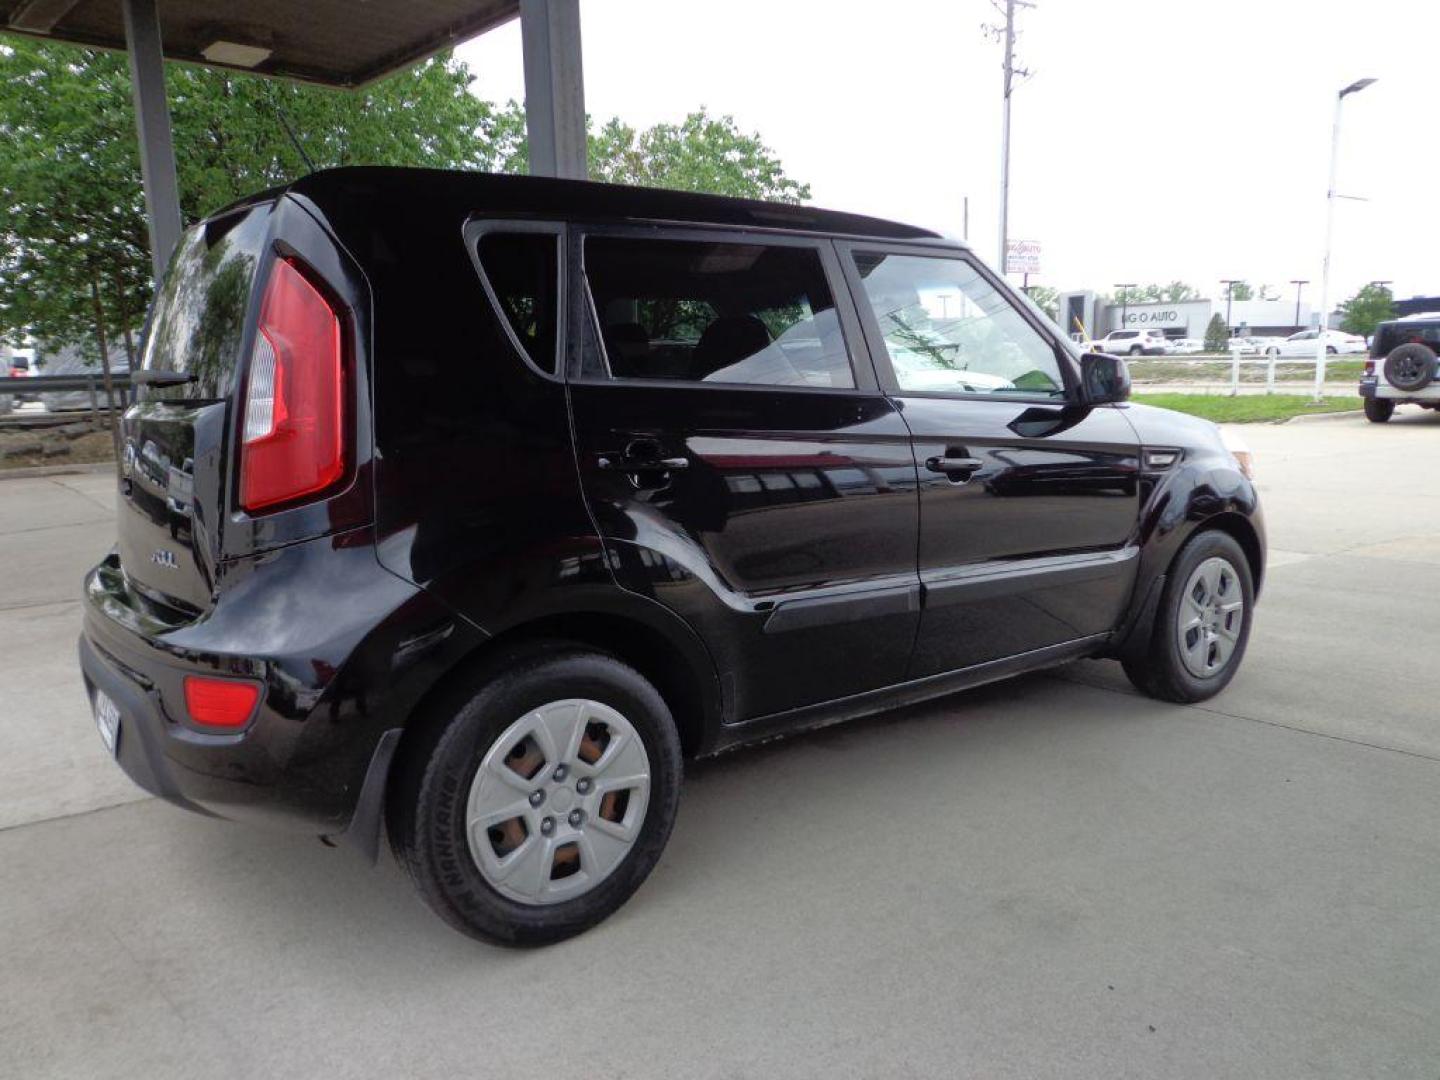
(1410, 367)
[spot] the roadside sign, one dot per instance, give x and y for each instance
(1022, 256)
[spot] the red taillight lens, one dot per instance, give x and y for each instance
(219, 703)
(293, 442)
(1369, 365)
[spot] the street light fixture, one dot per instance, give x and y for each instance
(1124, 299)
(1299, 284)
(1353, 88)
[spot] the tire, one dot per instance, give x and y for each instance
(1162, 670)
(1273, 352)
(1330, 350)
(1379, 410)
(430, 800)
(1410, 367)
(1135, 350)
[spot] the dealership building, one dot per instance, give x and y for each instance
(1089, 315)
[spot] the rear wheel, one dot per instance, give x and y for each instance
(1135, 350)
(1330, 350)
(541, 799)
(1202, 624)
(1379, 410)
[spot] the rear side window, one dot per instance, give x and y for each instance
(199, 317)
(522, 270)
(697, 311)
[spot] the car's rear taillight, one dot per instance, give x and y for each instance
(294, 441)
(220, 703)
(1369, 365)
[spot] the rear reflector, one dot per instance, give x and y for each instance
(220, 703)
(293, 441)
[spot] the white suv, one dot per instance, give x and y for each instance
(1133, 343)
(1402, 366)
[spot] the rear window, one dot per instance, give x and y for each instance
(197, 320)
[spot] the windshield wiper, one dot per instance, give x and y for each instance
(161, 378)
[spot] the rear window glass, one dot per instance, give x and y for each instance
(523, 270)
(198, 318)
(693, 311)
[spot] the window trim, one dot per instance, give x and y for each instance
(856, 347)
(880, 352)
(478, 229)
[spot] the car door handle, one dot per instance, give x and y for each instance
(954, 467)
(616, 463)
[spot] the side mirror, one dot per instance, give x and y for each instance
(1104, 379)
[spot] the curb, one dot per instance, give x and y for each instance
(29, 471)
(1348, 414)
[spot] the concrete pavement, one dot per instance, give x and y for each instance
(1051, 877)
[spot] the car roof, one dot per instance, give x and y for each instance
(576, 199)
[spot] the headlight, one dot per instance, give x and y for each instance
(1240, 451)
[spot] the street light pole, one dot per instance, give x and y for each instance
(1353, 88)
(1124, 288)
(1229, 284)
(1010, 73)
(1299, 284)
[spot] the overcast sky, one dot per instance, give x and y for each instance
(1156, 139)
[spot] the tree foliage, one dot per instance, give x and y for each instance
(74, 249)
(1217, 334)
(1177, 292)
(1047, 300)
(1241, 290)
(1369, 307)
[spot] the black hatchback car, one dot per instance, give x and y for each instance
(468, 507)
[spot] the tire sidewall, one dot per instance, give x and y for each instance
(454, 884)
(1167, 653)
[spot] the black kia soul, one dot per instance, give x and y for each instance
(472, 505)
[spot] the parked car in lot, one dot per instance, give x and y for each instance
(475, 504)
(1303, 344)
(1185, 346)
(71, 362)
(1133, 343)
(1402, 366)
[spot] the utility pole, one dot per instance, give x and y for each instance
(1299, 284)
(1010, 72)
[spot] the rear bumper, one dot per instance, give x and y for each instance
(343, 650)
(1371, 386)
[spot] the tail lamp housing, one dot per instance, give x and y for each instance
(294, 441)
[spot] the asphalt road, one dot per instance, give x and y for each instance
(1052, 877)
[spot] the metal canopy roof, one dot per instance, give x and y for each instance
(334, 42)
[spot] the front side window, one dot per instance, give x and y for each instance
(706, 312)
(523, 272)
(947, 329)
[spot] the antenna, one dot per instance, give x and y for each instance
(294, 139)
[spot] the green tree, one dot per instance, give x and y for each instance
(1178, 292)
(74, 255)
(1241, 290)
(1368, 308)
(1216, 334)
(1047, 300)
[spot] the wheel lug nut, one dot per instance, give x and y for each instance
(547, 826)
(537, 797)
(583, 785)
(576, 817)
(559, 773)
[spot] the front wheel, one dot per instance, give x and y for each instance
(539, 798)
(1330, 350)
(1379, 410)
(1202, 624)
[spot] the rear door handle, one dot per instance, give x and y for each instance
(954, 467)
(617, 463)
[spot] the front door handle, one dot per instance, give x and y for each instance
(619, 463)
(957, 468)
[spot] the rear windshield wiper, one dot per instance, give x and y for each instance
(162, 378)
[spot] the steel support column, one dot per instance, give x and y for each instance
(152, 123)
(554, 87)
